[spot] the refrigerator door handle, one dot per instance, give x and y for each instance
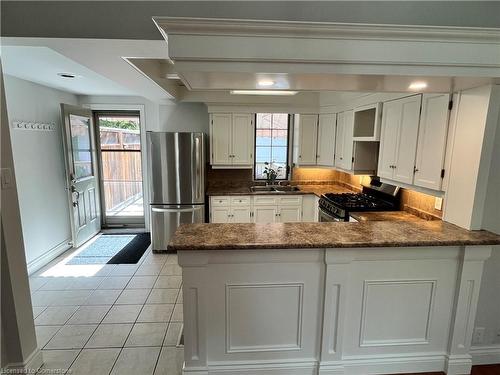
(199, 168)
(156, 209)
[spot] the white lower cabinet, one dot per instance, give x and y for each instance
(265, 214)
(256, 209)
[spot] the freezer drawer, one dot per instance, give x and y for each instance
(166, 218)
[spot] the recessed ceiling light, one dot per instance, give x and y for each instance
(66, 75)
(266, 82)
(263, 92)
(417, 85)
(173, 76)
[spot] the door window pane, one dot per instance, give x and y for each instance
(120, 142)
(271, 144)
(80, 141)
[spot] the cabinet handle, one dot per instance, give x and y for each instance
(415, 170)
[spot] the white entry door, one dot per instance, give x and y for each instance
(81, 167)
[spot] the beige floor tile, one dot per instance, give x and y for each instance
(94, 362)
(106, 270)
(171, 270)
(170, 361)
(86, 283)
(89, 315)
(141, 282)
(45, 333)
(70, 297)
(173, 332)
(43, 297)
(114, 282)
(149, 270)
(177, 315)
(37, 282)
(103, 297)
(147, 334)
(133, 296)
(134, 361)
(71, 337)
(57, 283)
(124, 270)
(156, 313)
(172, 259)
(55, 315)
(58, 359)
(155, 258)
(168, 282)
(37, 310)
(162, 296)
(109, 336)
(123, 314)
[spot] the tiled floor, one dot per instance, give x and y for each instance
(110, 319)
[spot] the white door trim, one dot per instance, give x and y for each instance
(142, 123)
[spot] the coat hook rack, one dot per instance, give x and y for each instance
(32, 125)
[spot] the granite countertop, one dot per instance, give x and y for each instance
(384, 216)
(318, 190)
(326, 235)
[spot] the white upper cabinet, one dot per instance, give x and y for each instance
(344, 140)
(413, 140)
(431, 146)
(305, 139)
(326, 140)
(242, 138)
(220, 138)
(232, 139)
(367, 122)
(399, 139)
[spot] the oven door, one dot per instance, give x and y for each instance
(326, 217)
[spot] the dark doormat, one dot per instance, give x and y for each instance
(133, 250)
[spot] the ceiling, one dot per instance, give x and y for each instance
(71, 19)
(42, 65)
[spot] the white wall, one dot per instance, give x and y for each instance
(184, 117)
(39, 163)
(488, 313)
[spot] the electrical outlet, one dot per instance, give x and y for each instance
(478, 335)
(438, 203)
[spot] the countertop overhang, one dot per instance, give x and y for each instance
(326, 235)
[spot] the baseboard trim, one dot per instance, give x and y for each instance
(286, 368)
(485, 355)
(48, 256)
(32, 363)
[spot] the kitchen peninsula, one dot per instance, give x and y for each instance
(330, 298)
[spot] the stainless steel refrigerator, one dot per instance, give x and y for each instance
(176, 163)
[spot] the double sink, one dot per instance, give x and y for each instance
(273, 189)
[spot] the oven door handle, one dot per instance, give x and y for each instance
(323, 212)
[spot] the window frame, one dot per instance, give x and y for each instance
(288, 129)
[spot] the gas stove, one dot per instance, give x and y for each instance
(375, 196)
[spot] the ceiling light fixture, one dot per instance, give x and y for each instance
(266, 82)
(417, 85)
(173, 76)
(263, 92)
(66, 75)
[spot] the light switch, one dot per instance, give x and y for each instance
(7, 180)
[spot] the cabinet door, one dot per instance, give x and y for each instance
(407, 139)
(220, 214)
(348, 140)
(308, 136)
(265, 214)
(290, 214)
(391, 118)
(220, 139)
(339, 140)
(432, 134)
(242, 139)
(326, 140)
(241, 215)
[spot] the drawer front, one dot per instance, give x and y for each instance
(291, 200)
(220, 201)
(240, 201)
(265, 200)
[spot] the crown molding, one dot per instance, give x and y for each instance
(323, 30)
